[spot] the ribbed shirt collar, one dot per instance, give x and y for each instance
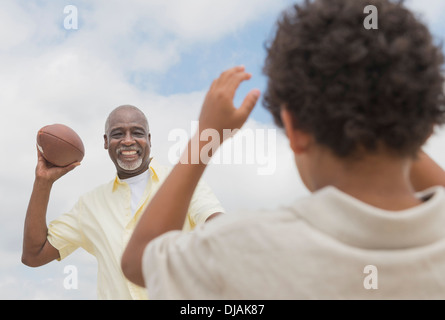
(356, 223)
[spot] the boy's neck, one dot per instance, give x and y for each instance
(380, 180)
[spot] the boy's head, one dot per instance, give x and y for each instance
(352, 89)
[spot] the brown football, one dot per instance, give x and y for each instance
(60, 145)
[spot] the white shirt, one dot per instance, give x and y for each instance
(137, 186)
(326, 246)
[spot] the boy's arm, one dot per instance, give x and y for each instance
(163, 214)
(425, 173)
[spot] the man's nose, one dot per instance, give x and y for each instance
(128, 139)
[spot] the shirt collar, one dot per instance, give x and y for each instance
(358, 224)
(153, 175)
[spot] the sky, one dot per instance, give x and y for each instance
(160, 56)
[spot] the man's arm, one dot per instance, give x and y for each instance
(37, 250)
(204, 205)
(162, 214)
(425, 173)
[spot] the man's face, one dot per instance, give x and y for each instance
(128, 142)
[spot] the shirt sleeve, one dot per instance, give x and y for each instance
(180, 265)
(203, 204)
(64, 233)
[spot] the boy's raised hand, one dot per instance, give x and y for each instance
(218, 111)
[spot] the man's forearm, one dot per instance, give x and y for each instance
(35, 230)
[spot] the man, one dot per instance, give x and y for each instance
(102, 220)
(356, 105)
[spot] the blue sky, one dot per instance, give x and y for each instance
(158, 55)
(200, 64)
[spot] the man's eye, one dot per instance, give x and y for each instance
(116, 135)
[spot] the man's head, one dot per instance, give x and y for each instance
(353, 90)
(128, 140)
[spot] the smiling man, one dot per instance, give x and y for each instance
(130, 157)
(103, 219)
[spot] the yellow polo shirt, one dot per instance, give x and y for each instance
(101, 222)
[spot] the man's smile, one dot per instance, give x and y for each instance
(128, 154)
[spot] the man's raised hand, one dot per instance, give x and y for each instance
(50, 173)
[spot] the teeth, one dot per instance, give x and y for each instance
(128, 153)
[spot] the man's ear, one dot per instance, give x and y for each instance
(105, 142)
(299, 140)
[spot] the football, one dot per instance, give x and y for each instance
(60, 145)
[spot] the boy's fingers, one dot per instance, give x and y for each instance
(235, 82)
(227, 77)
(249, 103)
(231, 71)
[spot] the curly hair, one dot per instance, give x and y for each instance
(351, 87)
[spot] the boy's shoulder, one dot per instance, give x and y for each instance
(336, 216)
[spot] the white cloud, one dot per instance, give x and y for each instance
(151, 35)
(47, 282)
(243, 187)
(197, 20)
(13, 18)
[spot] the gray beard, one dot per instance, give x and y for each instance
(130, 166)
